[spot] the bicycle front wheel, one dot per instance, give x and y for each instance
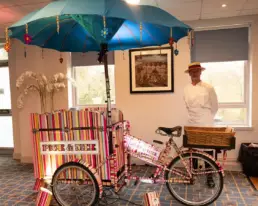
(74, 184)
(199, 190)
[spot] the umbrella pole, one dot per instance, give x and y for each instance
(103, 57)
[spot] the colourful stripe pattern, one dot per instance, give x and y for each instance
(151, 199)
(95, 174)
(74, 125)
(38, 184)
(44, 197)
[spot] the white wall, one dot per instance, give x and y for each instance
(18, 64)
(148, 111)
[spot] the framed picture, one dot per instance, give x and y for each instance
(151, 70)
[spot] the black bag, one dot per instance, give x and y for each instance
(248, 156)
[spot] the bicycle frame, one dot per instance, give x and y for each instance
(134, 147)
(160, 163)
(159, 160)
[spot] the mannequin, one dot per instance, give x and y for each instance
(201, 103)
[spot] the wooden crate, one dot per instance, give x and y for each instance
(209, 137)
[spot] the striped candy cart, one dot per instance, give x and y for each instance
(73, 155)
(71, 135)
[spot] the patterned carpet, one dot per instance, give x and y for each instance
(16, 183)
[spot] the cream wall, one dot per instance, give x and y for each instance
(18, 64)
(145, 111)
(148, 111)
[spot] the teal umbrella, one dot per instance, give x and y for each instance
(97, 25)
(83, 25)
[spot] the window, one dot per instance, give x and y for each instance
(230, 81)
(5, 95)
(3, 54)
(6, 139)
(89, 76)
(225, 55)
(90, 85)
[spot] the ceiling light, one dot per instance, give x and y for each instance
(133, 1)
(224, 5)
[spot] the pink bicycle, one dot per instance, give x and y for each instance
(185, 175)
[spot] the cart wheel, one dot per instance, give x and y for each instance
(189, 193)
(74, 184)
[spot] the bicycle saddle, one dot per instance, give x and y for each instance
(169, 131)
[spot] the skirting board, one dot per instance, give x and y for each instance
(231, 165)
(26, 160)
(17, 156)
(6, 151)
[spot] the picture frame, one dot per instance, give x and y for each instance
(151, 70)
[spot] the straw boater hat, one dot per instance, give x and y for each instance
(193, 66)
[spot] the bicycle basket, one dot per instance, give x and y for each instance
(209, 137)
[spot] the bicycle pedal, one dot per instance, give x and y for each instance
(136, 182)
(149, 181)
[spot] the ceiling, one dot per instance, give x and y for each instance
(189, 10)
(185, 10)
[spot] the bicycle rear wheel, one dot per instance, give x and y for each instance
(74, 184)
(197, 192)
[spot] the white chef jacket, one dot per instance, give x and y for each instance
(202, 104)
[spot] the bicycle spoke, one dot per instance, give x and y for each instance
(196, 191)
(78, 190)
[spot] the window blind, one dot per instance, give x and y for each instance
(89, 58)
(221, 45)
